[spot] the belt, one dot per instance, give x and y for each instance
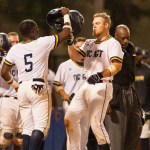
(8, 96)
(35, 79)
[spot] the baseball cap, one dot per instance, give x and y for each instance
(145, 53)
(138, 51)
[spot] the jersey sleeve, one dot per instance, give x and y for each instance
(115, 51)
(82, 50)
(49, 42)
(9, 60)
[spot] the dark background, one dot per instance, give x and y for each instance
(134, 13)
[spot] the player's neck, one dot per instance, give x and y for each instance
(103, 38)
(26, 41)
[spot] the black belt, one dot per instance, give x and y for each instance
(35, 79)
(9, 96)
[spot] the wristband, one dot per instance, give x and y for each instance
(10, 81)
(14, 84)
(67, 23)
(67, 26)
(113, 70)
(67, 19)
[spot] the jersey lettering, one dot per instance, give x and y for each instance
(79, 77)
(29, 63)
(97, 53)
(13, 72)
(89, 53)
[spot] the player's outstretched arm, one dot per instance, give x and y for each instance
(113, 69)
(66, 31)
(5, 73)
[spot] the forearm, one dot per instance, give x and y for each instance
(62, 93)
(66, 31)
(5, 73)
(113, 69)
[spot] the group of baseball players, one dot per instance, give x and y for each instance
(96, 85)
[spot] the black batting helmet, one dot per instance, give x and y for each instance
(4, 45)
(4, 42)
(55, 20)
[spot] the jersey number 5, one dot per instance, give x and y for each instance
(29, 63)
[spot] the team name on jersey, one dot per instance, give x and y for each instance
(97, 53)
(79, 77)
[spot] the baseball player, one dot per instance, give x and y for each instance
(124, 120)
(10, 120)
(69, 78)
(31, 59)
(102, 60)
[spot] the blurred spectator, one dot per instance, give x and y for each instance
(142, 87)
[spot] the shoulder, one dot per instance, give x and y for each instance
(66, 62)
(46, 38)
(113, 40)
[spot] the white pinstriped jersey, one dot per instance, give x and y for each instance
(5, 88)
(98, 56)
(31, 58)
(70, 76)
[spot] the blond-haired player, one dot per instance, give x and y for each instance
(68, 80)
(102, 59)
(31, 59)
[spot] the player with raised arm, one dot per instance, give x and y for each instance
(31, 59)
(102, 60)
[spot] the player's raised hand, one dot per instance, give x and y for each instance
(64, 10)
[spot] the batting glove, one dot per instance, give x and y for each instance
(95, 78)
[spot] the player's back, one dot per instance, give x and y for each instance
(31, 58)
